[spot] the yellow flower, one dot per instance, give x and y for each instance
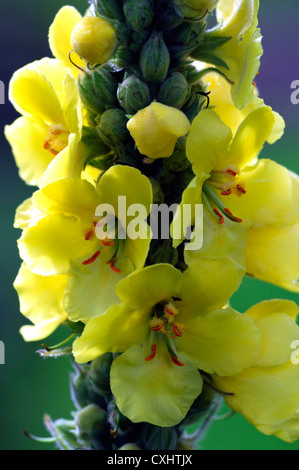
(94, 40)
(239, 56)
(234, 185)
(61, 236)
(267, 393)
(156, 129)
(222, 103)
(45, 138)
(169, 326)
(41, 301)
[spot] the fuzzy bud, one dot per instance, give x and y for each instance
(154, 59)
(174, 91)
(133, 94)
(94, 40)
(98, 90)
(139, 13)
(196, 8)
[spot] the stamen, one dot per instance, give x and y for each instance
(232, 216)
(227, 192)
(154, 351)
(178, 329)
(231, 172)
(107, 242)
(113, 267)
(221, 221)
(92, 258)
(176, 361)
(89, 235)
(241, 189)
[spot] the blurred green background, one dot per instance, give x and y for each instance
(31, 386)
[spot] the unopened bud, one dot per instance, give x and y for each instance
(94, 40)
(90, 421)
(129, 447)
(154, 59)
(109, 8)
(139, 13)
(98, 90)
(133, 94)
(113, 126)
(196, 8)
(174, 90)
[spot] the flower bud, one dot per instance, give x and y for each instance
(90, 421)
(156, 129)
(94, 40)
(113, 126)
(174, 91)
(129, 447)
(139, 13)
(98, 90)
(154, 59)
(133, 94)
(109, 8)
(196, 8)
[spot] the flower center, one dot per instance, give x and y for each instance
(57, 139)
(163, 322)
(114, 245)
(226, 182)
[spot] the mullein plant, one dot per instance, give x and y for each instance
(147, 100)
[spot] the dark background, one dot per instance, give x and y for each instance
(31, 386)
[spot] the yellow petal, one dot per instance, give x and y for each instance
(41, 302)
(265, 396)
(32, 94)
(27, 214)
(268, 307)
(268, 197)
(60, 37)
(272, 255)
(27, 138)
(221, 341)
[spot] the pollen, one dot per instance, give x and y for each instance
(170, 311)
(57, 139)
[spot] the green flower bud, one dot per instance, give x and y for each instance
(113, 126)
(99, 375)
(196, 8)
(133, 94)
(109, 8)
(158, 195)
(154, 59)
(79, 387)
(98, 90)
(130, 447)
(139, 13)
(90, 421)
(174, 91)
(156, 438)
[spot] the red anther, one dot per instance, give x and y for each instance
(236, 219)
(221, 221)
(254, 84)
(89, 235)
(227, 192)
(240, 189)
(231, 172)
(107, 242)
(177, 331)
(176, 361)
(157, 328)
(92, 258)
(154, 351)
(54, 152)
(168, 310)
(114, 268)
(46, 145)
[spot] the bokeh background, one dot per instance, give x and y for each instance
(31, 386)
